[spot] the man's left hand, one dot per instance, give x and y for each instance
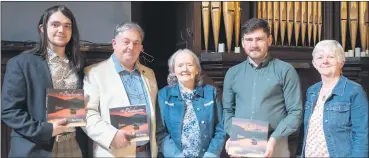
(270, 147)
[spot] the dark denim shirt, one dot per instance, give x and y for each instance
(208, 109)
(345, 118)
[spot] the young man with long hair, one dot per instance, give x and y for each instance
(55, 63)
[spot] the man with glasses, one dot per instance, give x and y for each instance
(263, 88)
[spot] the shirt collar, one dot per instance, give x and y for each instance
(175, 91)
(51, 55)
(253, 63)
(119, 68)
(264, 63)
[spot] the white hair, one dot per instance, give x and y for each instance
(172, 78)
(326, 46)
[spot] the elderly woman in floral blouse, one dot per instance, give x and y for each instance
(336, 110)
(190, 122)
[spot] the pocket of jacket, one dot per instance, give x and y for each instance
(173, 120)
(339, 113)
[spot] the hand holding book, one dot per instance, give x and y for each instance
(59, 126)
(248, 138)
(227, 150)
(268, 152)
(66, 104)
(131, 119)
(270, 147)
(121, 139)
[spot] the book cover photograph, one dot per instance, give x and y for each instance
(66, 103)
(131, 118)
(248, 137)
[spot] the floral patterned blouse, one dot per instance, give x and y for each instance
(190, 137)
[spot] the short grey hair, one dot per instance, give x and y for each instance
(330, 46)
(128, 26)
(172, 78)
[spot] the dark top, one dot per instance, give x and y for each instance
(24, 107)
(270, 92)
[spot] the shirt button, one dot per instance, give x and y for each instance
(203, 149)
(325, 120)
(198, 109)
(205, 136)
(252, 112)
(202, 122)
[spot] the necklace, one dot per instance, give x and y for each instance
(324, 93)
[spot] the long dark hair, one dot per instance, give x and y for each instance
(72, 49)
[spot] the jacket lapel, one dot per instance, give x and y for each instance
(44, 67)
(152, 97)
(116, 82)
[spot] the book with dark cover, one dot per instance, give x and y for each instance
(248, 137)
(131, 118)
(66, 103)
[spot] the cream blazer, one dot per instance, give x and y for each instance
(104, 89)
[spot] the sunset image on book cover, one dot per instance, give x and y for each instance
(66, 103)
(131, 118)
(248, 137)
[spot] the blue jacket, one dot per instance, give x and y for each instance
(345, 118)
(208, 110)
